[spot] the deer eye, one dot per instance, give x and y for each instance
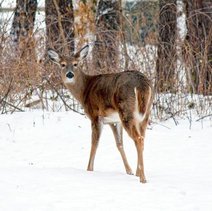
(63, 65)
(75, 64)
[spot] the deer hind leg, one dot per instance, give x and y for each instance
(96, 132)
(140, 166)
(118, 132)
(142, 130)
(139, 143)
(131, 126)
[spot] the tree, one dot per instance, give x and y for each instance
(167, 58)
(60, 25)
(198, 47)
(84, 21)
(22, 28)
(106, 48)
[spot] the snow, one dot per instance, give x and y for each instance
(43, 159)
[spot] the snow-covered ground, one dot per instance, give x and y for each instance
(43, 159)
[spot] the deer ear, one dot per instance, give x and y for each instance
(82, 53)
(54, 56)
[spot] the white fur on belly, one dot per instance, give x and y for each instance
(112, 118)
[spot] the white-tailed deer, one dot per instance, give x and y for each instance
(118, 99)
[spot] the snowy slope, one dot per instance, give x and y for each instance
(43, 160)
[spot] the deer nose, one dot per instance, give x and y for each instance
(69, 75)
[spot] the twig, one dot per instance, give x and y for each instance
(173, 117)
(203, 117)
(13, 106)
(161, 125)
(6, 95)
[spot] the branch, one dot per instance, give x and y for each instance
(13, 106)
(203, 117)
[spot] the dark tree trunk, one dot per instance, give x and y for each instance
(106, 48)
(60, 25)
(167, 57)
(198, 45)
(22, 28)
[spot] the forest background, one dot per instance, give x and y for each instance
(169, 41)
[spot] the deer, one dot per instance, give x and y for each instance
(122, 100)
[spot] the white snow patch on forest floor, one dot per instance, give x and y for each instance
(43, 160)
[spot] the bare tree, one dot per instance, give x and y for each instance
(106, 48)
(60, 25)
(198, 45)
(22, 28)
(167, 58)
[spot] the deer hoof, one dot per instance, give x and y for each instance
(130, 173)
(143, 180)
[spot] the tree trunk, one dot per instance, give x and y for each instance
(106, 48)
(22, 28)
(60, 25)
(167, 56)
(198, 45)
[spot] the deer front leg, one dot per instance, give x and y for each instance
(118, 134)
(96, 132)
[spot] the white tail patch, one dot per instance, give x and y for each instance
(137, 115)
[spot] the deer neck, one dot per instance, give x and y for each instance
(78, 87)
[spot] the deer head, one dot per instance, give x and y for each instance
(69, 65)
